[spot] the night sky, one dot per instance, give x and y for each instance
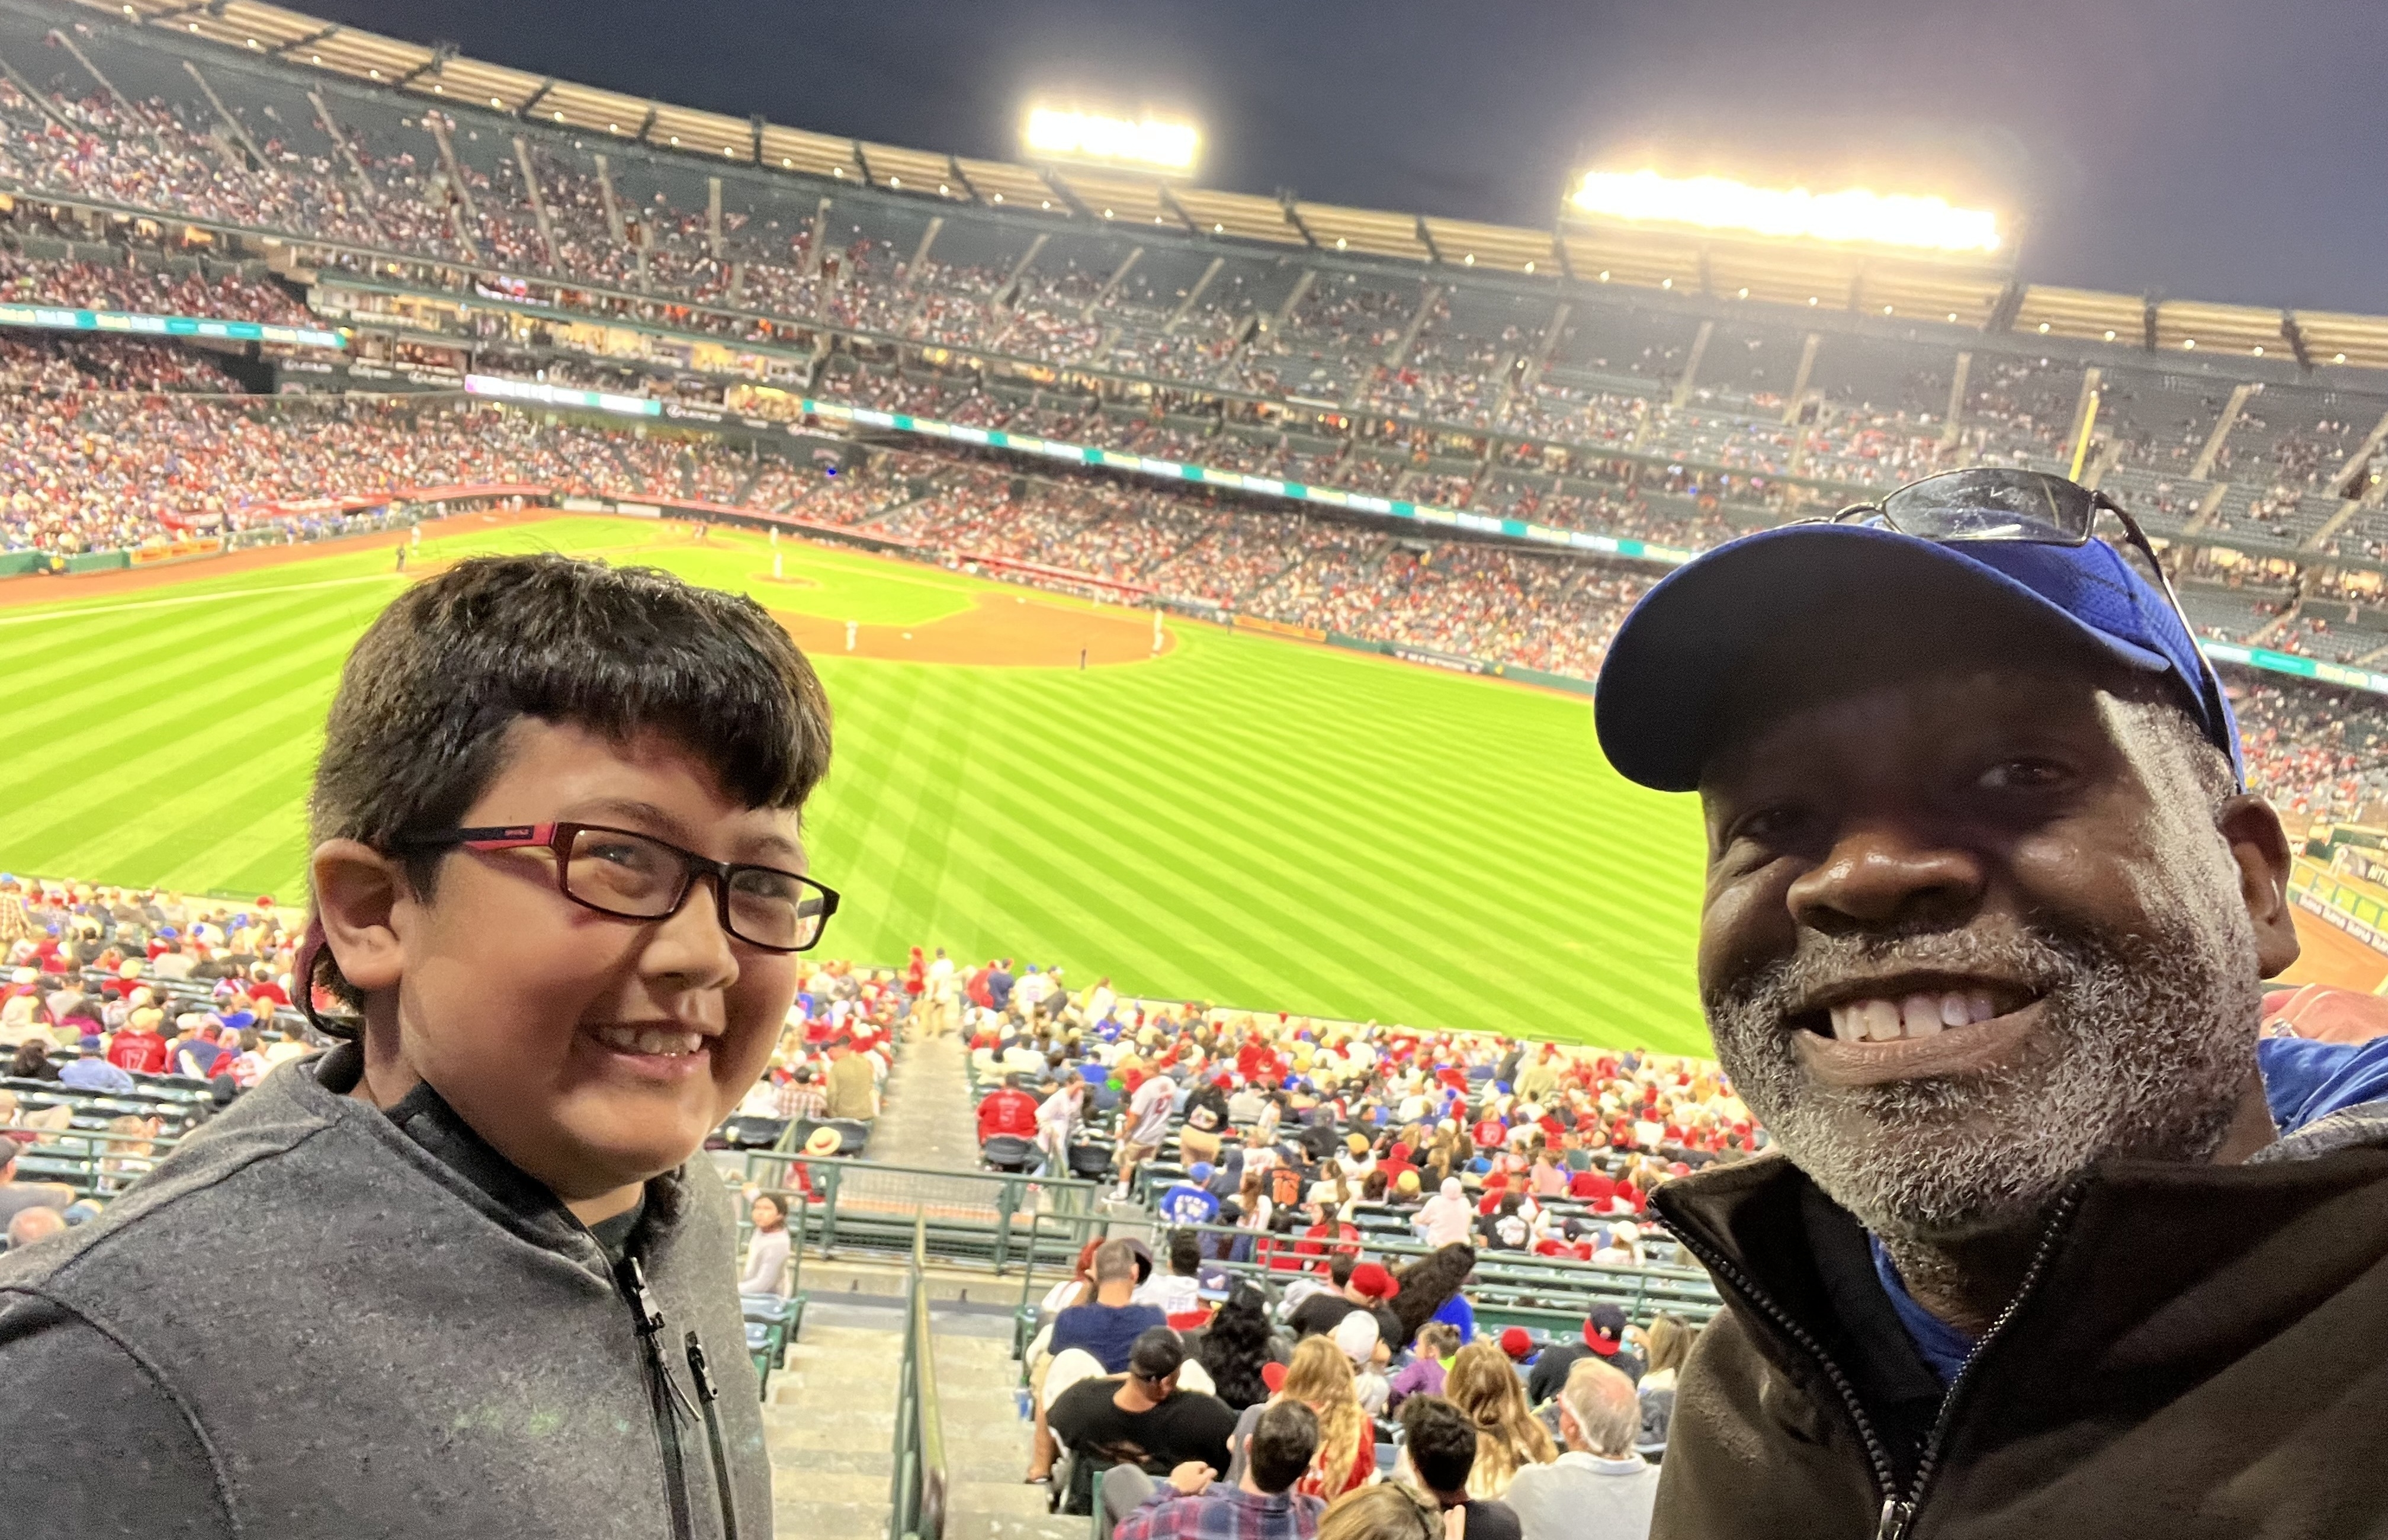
(2200, 148)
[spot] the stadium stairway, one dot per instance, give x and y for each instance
(830, 1417)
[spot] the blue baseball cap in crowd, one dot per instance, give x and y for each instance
(1664, 684)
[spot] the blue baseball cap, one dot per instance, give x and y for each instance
(1664, 682)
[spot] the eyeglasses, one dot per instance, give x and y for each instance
(1995, 504)
(635, 876)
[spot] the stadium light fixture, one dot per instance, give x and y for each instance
(1146, 143)
(1855, 215)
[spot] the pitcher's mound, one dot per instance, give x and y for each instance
(997, 629)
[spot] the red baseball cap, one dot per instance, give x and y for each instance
(1516, 1345)
(1370, 1279)
(1273, 1376)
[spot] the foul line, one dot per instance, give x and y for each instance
(198, 598)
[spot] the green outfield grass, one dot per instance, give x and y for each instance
(1254, 821)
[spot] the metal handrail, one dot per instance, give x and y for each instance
(995, 1235)
(919, 1496)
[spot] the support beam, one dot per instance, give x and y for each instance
(613, 205)
(1169, 202)
(2347, 508)
(1428, 297)
(1690, 378)
(537, 203)
(2202, 466)
(2295, 336)
(2207, 506)
(230, 123)
(2148, 323)
(1559, 255)
(340, 142)
(820, 239)
(1135, 255)
(457, 223)
(284, 50)
(1193, 296)
(1954, 422)
(1519, 381)
(961, 178)
(1003, 295)
(2083, 405)
(870, 177)
(646, 126)
(2352, 476)
(1062, 190)
(1799, 380)
(713, 217)
(1293, 217)
(39, 98)
(1426, 238)
(920, 252)
(437, 124)
(2009, 304)
(755, 126)
(68, 43)
(1302, 287)
(532, 102)
(440, 54)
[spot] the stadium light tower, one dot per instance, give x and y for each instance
(1908, 224)
(1145, 142)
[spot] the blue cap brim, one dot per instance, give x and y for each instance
(1665, 675)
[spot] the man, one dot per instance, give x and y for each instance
(1147, 1126)
(940, 1014)
(1986, 917)
(801, 1100)
(138, 1047)
(1598, 1488)
(1009, 1111)
(1058, 1119)
(16, 1197)
(1141, 1418)
(1439, 1446)
(853, 1088)
(998, 986)
(1190, 1202)
(1604, 1337)
(91, 1072)
(28, 1225)
(1108, 1326)
(1194, 1504)
(1359, 1286)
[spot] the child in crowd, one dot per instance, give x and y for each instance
(559, 888)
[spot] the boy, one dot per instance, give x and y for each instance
(501, 1274)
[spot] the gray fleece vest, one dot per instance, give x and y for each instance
(319, 1319)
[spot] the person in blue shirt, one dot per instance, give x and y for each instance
(1191, 1201)
(2053, 1241)
(93, 1073)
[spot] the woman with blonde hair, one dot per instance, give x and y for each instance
(1387, 1511)
(1320, 1378)
(1508, 1436)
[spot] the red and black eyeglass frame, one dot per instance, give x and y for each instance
(558, 838)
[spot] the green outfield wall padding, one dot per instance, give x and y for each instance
(98, 561)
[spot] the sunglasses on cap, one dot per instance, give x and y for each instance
(2001, 504)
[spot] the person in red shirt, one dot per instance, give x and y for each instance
(261, 987)
(1008, 1111)
(1330, 1232)
(138, 1048)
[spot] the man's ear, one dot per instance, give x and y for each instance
(2260, 846)
(357, 891)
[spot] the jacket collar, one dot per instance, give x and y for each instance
(431, 1134)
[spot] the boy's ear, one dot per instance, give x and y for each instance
(357, 893)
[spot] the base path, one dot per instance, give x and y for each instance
(998, 628)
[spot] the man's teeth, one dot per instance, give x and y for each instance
(1883, 1021)
(648, 1039)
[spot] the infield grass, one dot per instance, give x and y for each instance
(1250, 821)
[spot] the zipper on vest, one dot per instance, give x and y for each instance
(1899, 1511)
(707, 1394)
(632, 1278)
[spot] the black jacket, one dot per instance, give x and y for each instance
(2198, 1351)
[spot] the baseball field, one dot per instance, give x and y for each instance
(1235, 818)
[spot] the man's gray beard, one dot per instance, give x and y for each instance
(2146, 1048)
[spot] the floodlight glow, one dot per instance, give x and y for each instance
(1091, 136)
(1854, 214)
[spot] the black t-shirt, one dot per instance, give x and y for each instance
(1190, 1425)
(614, 1234)
(1551, 1369)
(1320, 1313)
(1490, 1520)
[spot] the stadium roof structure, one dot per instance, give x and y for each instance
(1788, 272)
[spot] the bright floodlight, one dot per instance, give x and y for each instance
(1148, 142)
(1720, 203)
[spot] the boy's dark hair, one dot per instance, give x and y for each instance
(1441, 1442)
(1338, 1267)
(1184, 1253)
(419, 726)
(1283, 1443)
